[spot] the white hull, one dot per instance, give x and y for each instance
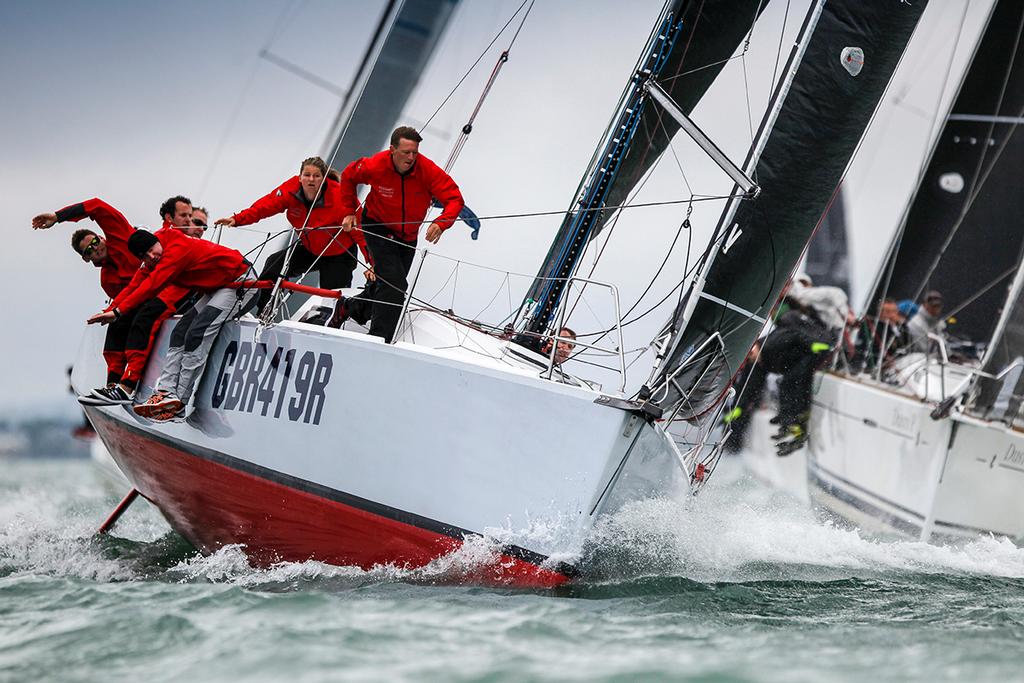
(462, 437)
(877, 458)
(789, 473)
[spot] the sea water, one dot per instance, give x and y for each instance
(739, 584)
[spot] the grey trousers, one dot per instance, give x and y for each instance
(194, 335)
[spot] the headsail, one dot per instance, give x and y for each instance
(962, 234)
(686, 52)
(828, 254)
(848, 61)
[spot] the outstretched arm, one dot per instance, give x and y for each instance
(269, 205)
(44, 221)
(111, 221)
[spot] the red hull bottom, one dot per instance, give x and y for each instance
(213, 504)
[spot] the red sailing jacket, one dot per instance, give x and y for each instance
(187, 262)
(121, 264)
(171, 294)
(326, 211)
(401, 201)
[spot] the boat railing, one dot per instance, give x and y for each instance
(940, 344)
(552, 371)
(562, 312)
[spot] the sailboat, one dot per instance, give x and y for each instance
(929, 445)
(389, 71)
(487, 437)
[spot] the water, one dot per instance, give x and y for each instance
(738, 585)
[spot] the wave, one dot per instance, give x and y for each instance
(734, 532)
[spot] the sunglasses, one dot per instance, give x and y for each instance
(91, 247)
(198, 223)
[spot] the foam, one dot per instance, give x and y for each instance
(737, 532)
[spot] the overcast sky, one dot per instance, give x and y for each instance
(134, 102)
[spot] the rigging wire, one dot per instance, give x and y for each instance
(671, 147)
(482, 55)
(279, 27)
(460, 143)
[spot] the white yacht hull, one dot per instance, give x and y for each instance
(877, 458)
(789, 473)
(352, 451)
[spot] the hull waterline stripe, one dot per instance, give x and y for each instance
(289, 481)
(887, 518)
(881, 514)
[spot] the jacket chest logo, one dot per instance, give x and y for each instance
(386, 191)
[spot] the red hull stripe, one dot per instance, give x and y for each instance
(133, 446)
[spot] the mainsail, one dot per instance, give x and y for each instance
(848, 59)
(686, 52)
(403, 43)
(962, 235)
(398, 53)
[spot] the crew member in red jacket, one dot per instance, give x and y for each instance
(174, 259)
(312, 203)
(402, 184)
(129, 341)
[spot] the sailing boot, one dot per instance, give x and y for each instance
(796, 437)
(113, 395)
(340, 314)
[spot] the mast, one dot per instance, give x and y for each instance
(687, 50)
(847, 62)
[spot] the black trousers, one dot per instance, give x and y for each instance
(381, 302)
(132, 332)
(788, 353)
(335, 271)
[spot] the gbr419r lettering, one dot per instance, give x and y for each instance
(279, 383)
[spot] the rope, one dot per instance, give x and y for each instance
(482, 54)
(468, 128)
(276, 300)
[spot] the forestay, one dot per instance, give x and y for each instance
(684, 55)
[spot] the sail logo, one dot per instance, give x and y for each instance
(278, 384)
(1014, 456)
(852, 59)
(951, 182)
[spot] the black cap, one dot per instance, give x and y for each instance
(140, 242)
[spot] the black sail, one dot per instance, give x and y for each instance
(828, 255)
(702, 35)
(821, 121)
(963, 233)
